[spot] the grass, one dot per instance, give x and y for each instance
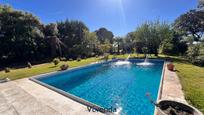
(43, 68)
(50, 67)
(191, 76)
(192, 81)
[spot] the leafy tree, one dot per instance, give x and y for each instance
(90, 44)
(105, 48)
(145, 51)
(104, 35)
(201, 4)
(141, 35)
(195, 54)
(174, 45)
(72, 34)
(21, 36)
(129, 43)
(191, 23)
(51, 32)
(118, 43)
(151, 35)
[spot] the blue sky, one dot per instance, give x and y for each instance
(119, 16)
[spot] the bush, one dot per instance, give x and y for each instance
(106, 57)
(63, 59)
(64, 67)
(70, 59)
(195, 54)
(56, 61)
(29, 65)
(167, 48)
(78, 59)
(199, 60)
(7, 70)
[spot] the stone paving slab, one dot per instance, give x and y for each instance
(171, 88)
(25, 97)
(21, 102)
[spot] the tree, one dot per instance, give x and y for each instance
(174, 45)
(191, 23)
(150, 35)
(51, 32)
(105, 48)
(21, 36)
(195, 54)
(201, 4)
(118, 44)
(72, 34)
(104, 35)
(140, 36)
(129, 43)
(90, 44)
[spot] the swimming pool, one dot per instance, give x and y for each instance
(110, 85)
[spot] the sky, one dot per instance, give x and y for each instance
(118, 16)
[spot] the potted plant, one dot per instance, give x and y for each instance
(170, 67)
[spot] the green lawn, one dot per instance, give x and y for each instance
(43, 68)
(191, 76)
(49, 67)
(192, 80)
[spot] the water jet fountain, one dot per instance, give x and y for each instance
(125, 62)
(145, 63)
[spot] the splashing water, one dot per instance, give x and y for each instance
(125, 62)
(145, 63)
(127, 57)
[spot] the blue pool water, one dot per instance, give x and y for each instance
(109, 85)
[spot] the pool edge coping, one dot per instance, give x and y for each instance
(159, 94)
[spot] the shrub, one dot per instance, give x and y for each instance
(199, 60)
(7, 70)
(78, 59)
(106, 57)
(56, 61)
(70, 59)
(167, 48)
(63, 59)
(64, 67)
(195, 54)
(29, 65)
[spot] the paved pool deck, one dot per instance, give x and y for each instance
(25, 97)
(171, 88)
